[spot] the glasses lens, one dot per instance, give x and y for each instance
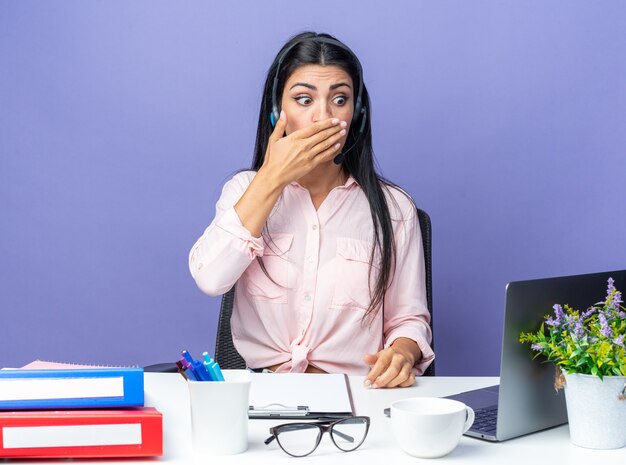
(298, 439)
(350, 433)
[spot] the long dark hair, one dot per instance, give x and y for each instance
(359, 158)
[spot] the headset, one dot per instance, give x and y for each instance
(360, 112)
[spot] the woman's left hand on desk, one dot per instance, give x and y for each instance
(393, 366)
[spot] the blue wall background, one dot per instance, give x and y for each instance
(120, 121)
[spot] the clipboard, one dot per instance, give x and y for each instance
(300, 396)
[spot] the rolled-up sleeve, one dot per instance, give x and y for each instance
(221, 255)
(406, 309)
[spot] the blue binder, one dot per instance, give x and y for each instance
(71, 388)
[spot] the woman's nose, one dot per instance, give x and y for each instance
(322, 112)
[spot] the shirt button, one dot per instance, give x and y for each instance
(311, 259)
(314, 227)
(200, 265)
(307, 297)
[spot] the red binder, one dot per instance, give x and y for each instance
(81, 433)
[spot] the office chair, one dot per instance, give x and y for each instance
(228, 357)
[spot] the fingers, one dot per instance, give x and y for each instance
(315, 128)
(405, 378)
(333, 142)
(336, 132)
(323, 145)
(279, 129)
(327, 154)
(390, 369)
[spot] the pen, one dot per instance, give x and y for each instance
(212, 367)
(201, 371)
(198, 369)
(189, 371)
(187, 356)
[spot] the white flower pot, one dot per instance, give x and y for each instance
(597, 416)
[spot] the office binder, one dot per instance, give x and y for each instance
(71, 388)
(81, 433)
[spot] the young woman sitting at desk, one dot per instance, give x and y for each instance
(326, 254)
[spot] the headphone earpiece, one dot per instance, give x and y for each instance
(273, 118)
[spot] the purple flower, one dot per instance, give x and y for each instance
(619, 340)
(617, 300)
(579, 330)
(590, 311)
(611, 286)
(605, 330)
(558, 312)
(536, 347)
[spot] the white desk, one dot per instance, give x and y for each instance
(168, 392)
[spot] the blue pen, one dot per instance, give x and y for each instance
(201, 371)
(187, 356)
(197, 367)
(209, 365)
(212, 367)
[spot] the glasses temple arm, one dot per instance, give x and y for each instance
(343, 435)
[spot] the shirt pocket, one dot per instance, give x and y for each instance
(353, 279)
(272, 288)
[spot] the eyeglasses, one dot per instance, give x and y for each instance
(300, 439)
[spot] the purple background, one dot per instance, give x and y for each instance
(120, 121)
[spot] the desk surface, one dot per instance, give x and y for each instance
(168, 392)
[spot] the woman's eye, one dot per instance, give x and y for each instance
(340, 100)
(304, 100)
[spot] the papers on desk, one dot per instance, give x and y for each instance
(300, 396)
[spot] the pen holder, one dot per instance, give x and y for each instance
(219, 414)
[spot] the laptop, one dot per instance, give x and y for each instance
(526, 401)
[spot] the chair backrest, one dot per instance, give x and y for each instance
(225, 353)
(426, 230)
(228, 357)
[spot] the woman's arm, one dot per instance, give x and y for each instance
(407, 332)
(287, 159)
(232, 241)
(221, 255)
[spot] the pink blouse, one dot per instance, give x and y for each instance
(311, 310)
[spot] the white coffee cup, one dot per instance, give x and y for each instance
(219, 414)
(429, 427)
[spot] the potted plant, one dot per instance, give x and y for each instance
(588, 350)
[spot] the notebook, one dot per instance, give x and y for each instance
(526, 401)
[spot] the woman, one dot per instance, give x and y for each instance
(324, 252)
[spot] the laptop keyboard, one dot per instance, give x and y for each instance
(486, 420)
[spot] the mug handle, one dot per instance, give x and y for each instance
(470, 418)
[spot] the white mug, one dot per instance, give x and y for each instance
(430, 427)
(219, 414)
